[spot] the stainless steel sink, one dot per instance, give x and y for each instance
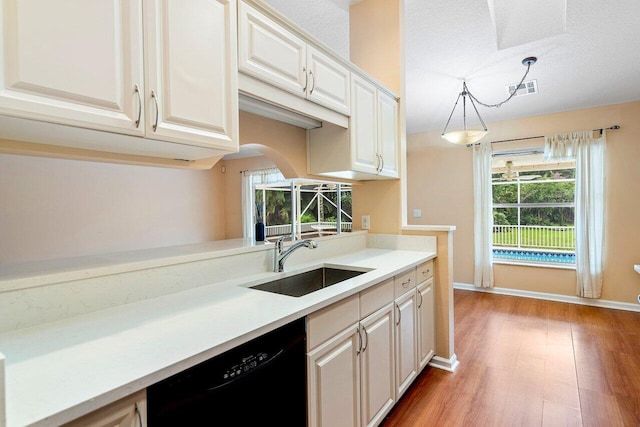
(307, 282)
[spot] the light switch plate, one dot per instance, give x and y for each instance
(366, 222)
(417, 213)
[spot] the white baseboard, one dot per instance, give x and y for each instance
(445, 364)
(552, 297)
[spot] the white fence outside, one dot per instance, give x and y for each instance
(321, 227)
(534, 236)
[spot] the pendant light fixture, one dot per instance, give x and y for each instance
(465, 136)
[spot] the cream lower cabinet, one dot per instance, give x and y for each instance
(425, 314)
(145, 68)
(426, 323)
(406, 341)
(333, 371)
(127, 412)
(377, 361)
(351, 375)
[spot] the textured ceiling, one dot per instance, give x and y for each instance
(588, 52)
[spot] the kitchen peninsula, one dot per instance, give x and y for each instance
(83, 333)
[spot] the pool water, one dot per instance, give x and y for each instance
(535, 255)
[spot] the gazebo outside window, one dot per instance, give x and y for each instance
(317, 209)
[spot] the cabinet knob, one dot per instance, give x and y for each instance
(407, 283)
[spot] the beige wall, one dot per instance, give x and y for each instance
(376, 46)
(55, 208)
(440, 183)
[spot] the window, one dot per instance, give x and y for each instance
(315, 205)
(533, 215)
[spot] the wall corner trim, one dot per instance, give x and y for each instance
(616, 305)
(450, 364)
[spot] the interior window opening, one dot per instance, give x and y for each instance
(295, 208)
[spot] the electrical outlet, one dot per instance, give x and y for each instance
(366, 222)
(417, 213)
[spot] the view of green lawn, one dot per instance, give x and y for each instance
(546, 238)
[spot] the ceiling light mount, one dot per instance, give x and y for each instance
(465, 136)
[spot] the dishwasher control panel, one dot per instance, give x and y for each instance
(245, 365)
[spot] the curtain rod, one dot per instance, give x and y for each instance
(614, 127)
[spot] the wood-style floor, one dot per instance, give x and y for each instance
(527, 362)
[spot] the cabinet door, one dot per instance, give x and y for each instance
(329, 82)
(191, 68)
(377, 365)
(406, 342)
(388, 134)
(363, 126)
(270, 52)
(127, 412)
(73, 62)
(426, 323)
(334, 381)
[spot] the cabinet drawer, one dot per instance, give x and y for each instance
(376, 297)
(128, 411)
(404, 282)
(425, 270)
(327, 322)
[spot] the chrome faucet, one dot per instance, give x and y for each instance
(281, 255)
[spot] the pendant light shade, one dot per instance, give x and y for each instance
(467, 137)
(464, 137)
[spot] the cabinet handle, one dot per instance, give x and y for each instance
(378, 164)
(425, 272)
(137, 89)
(306, 79)
(399, 314)
(359, 341)
(407, 283)
(421, 299)
(366, 335)
(382, 159)
(139, 414)
(313, 82)
(155, 99)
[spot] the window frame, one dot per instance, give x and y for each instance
(518, 205)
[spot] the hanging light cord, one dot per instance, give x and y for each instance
(528, 62)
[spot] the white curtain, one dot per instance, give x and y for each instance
(249, 180)
(588, 153)
(483, 216)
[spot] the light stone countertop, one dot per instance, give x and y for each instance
(61, 370)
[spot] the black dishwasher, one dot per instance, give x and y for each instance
(261, 382)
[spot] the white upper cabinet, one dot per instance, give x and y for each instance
(388, 135)
(84, 64)
(190, 62)
(369, 148)
(328, 82)
(364, 126)
(272, 53)
(73, 62)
